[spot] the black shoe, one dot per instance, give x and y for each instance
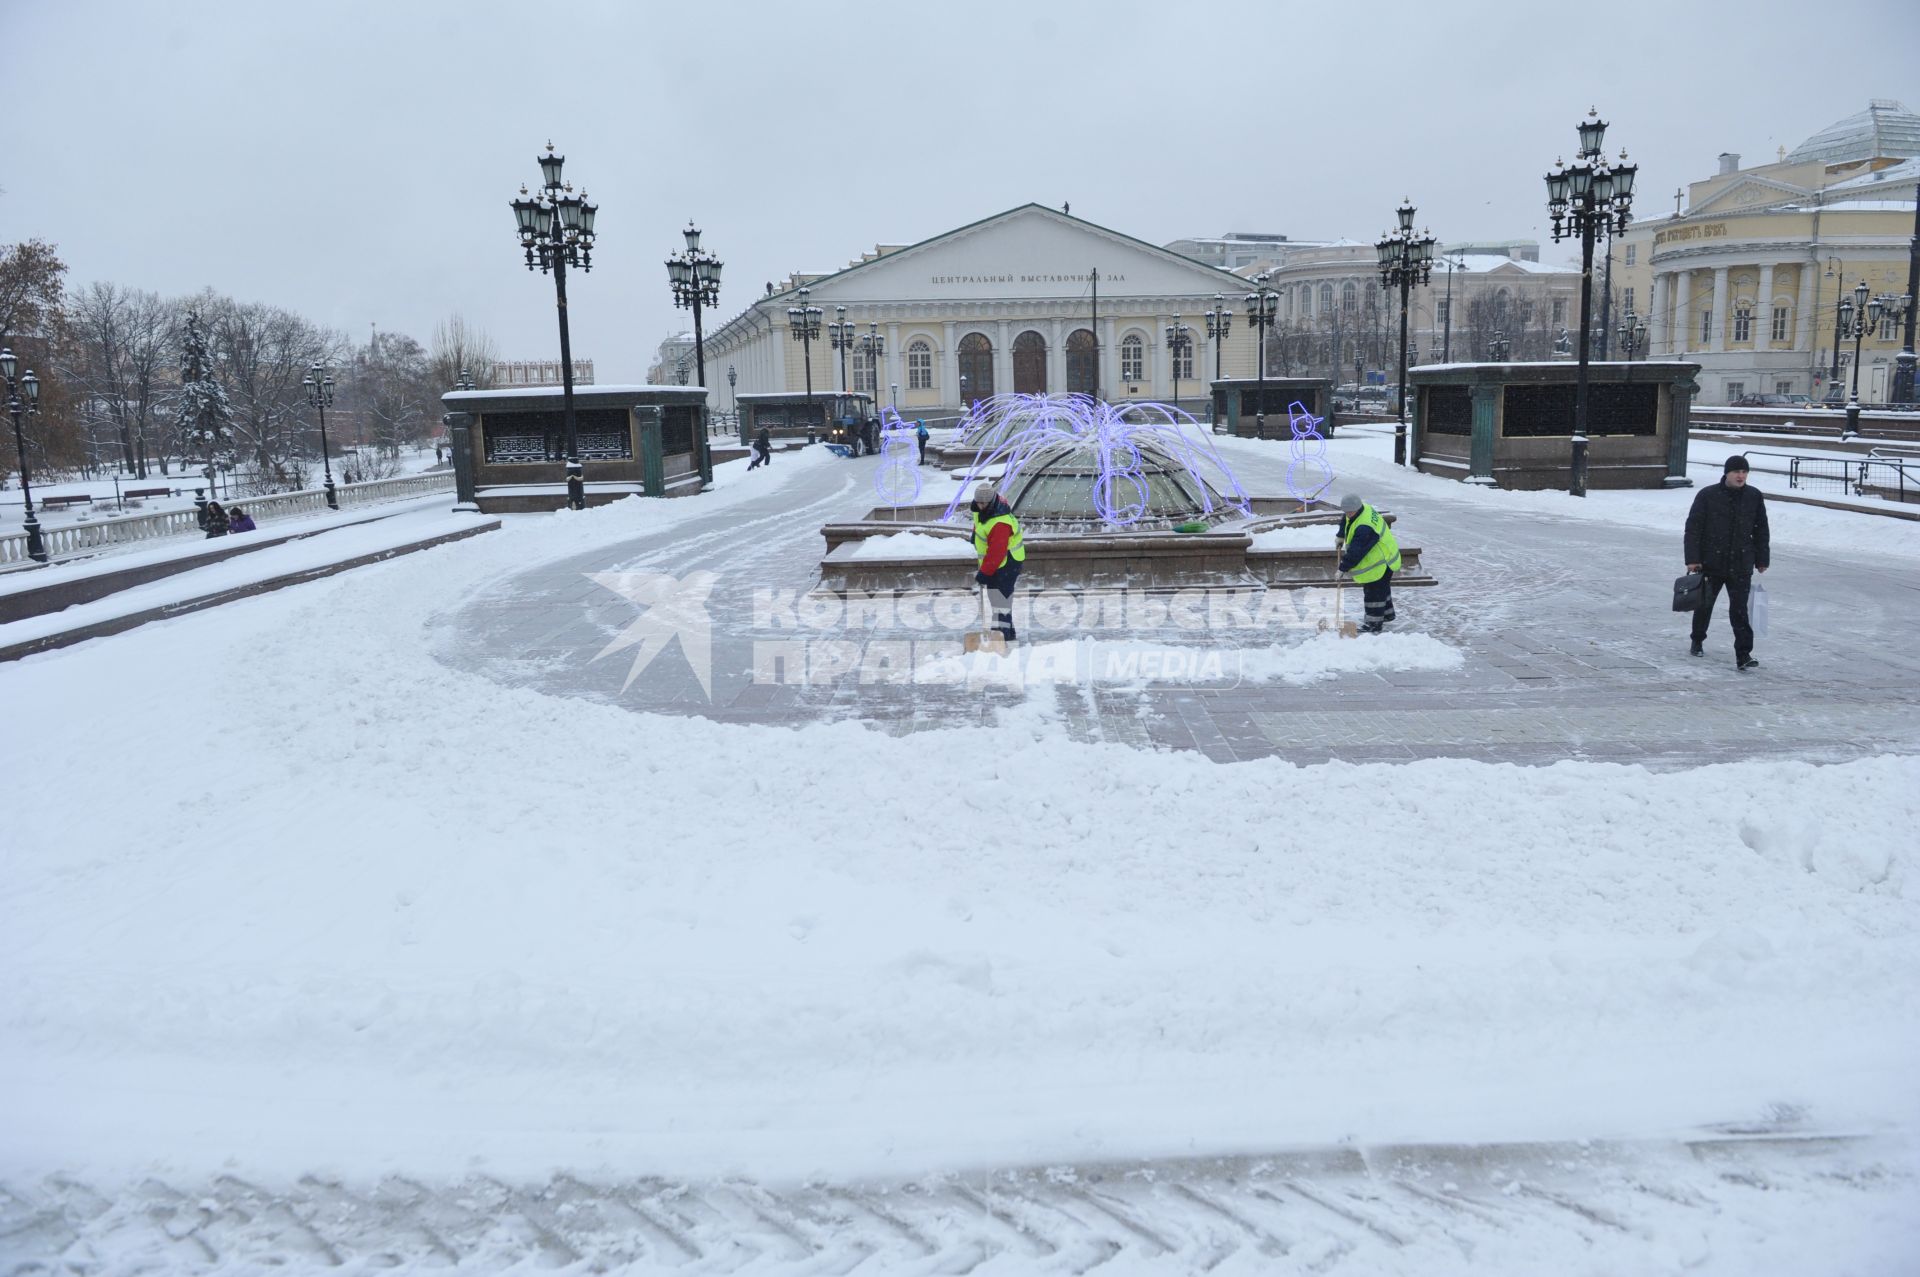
(1372, 628)
(1696, 650)
(1746, 663)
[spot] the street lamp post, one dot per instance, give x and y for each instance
(1498, 347)
(840, 337)
(1219, 324)
(733, 397)
(1404, 262)
(1586, 198)
(1632, 333)
(1179, 345)
(694, 276)
(1903, 389)
(1839, 298)
(804, 322)
(1446, 327)
(556, 230)
(1857, 317)
(320, 395)
(1263, 306)
(873, 344)
(17, 408)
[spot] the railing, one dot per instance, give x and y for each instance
(1883, 473)
(78, 537)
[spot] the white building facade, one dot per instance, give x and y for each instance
(1031, 300)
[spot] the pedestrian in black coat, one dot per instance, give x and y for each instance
(762, 450)
(213, 519)
(1727, 542)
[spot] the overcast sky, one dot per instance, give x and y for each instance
(353, 161)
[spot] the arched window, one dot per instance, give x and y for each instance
(1133, 358)
(1029, 364)
(1782, 317)
(1743, 320)
(919, 364)
(1306, 301)
(1081, 354)
(1349, 297)
(1326, 298)
(976, 368)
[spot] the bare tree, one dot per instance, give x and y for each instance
(121, 346)
(263, 353)
(459, 346)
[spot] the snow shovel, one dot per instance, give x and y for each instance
(986, 638)
(1344, 627)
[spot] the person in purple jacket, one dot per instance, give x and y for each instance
(239, 520)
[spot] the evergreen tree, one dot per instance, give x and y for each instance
(202, 418)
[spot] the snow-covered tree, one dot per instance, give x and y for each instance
(203, 420)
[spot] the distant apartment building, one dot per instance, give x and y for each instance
(1232, 250)
(673, 362)
(539, 372)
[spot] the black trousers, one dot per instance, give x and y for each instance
(1379, 598)
(1737, 588)
(923, 452)
(1000, 593)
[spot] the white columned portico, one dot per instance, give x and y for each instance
(949, 364)
(1803, 313)
(1716, 336)
(1682, 312)
(884, 394)
(1657, 322)
(1763, 308)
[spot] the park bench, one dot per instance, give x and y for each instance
(148, 492)
(65, 501)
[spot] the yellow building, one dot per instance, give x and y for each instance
(1009, 303)
(1746, 279)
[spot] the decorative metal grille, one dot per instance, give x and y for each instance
(677, 430)
(976, 366)
(1080, 361)
(1612, 409)
(606, 445)
(540, 436)
(1449, 410)
(508, 449)
(1030, 364)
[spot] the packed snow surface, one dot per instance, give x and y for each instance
(377, 912)
(912, 544)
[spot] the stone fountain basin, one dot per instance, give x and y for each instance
(1223, 557)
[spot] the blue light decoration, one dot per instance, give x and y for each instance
(1306, 427)
(1009, 430)
(897, 482)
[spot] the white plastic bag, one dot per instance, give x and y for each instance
(1757, 608)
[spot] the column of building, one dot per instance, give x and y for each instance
(1682, 312)
(1763, 306)
(1717, 317)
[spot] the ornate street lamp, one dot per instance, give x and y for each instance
(804, 322)
(1219, 324)
(874, 346)
(733, 397)
(1263, 306)
(1405, 260)
(1498, 347)
(840, 338)
(17, 408)
(1857, 317)
(1586, 198)
(694, 277)
(1632, 333)
(556, 230)
(320, 396)
(1179, 346)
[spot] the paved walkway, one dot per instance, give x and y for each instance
(1346, 1210)
(1571, 651)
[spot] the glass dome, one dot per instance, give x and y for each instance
(1083, 484)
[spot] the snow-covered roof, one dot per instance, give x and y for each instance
(1885, 129)
(1495, 261)
(1904, 173)
(555, 392)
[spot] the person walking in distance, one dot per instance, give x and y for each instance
(1002, 550)
(1726, 541)
(1372, 556)
(762, 450)
(920, 437)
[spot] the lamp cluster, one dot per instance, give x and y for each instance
(1859, 316)
(804, 320)
(1219, 319)
(694, 273)
(1263, 304)
(1179, 338)
(1404, 258)
(29, 385)
(1632, 333)
(556, 226)
(1590, 191)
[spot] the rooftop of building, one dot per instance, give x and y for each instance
(1886, 129)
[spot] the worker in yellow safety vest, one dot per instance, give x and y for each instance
(1371, 555)
(1002, 551)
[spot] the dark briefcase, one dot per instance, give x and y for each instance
(1689, 592)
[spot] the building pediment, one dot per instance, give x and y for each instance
(1749, 192)
(1027, 252)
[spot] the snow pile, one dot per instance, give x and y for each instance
(1320, 538)
(380, 913)
(915, 545)
(1130, 662)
